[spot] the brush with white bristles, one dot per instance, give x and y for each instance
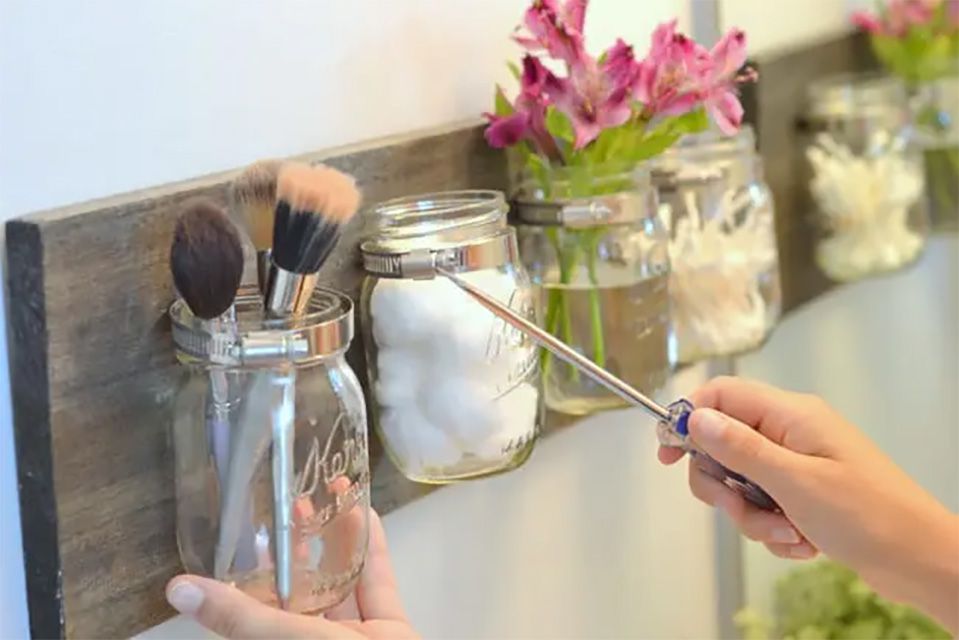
(313, 204)
(253, 203)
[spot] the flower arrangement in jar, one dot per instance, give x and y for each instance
(918, 40)
(578, 132)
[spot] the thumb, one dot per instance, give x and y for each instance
(741, 448)
(228, 612)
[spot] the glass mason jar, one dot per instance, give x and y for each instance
(270, 448)
(867, 176)
(592, 242)
(936, 115)
(724, 279)
(457, 390)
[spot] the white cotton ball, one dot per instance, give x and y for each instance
(463, 409)
(416, 444)
(517, 413)
(399, 376)
(431, 447)
(397, 441)
(404, 311)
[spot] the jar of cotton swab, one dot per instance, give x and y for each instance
(456, 390)
(724, 285)
(867, 180)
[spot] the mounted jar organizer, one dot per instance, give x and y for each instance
(456, 389)
(724, 284)
(244, 379)
(595, 247)
(867, 176)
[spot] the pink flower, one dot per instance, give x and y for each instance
(867, 22)
(900, 16)
(719, 92)
(671, 76)
(556, 26)
(678, 75)
(528, 120)
(596, 96)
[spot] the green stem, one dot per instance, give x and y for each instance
(558, 319)
(595, 307)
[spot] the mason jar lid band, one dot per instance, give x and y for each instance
(491, 252)
(266, 347)
(616, 208)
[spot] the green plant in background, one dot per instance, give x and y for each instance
(918, 40)
(826, 601)
(578, 135)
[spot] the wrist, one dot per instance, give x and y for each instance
(931, 582)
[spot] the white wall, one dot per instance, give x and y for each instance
(104, 96)
(778, 25)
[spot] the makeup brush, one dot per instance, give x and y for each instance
(253, 202)
(206, 259)
(313, 205)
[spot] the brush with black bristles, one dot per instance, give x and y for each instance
(206, 260)
(313, 204)
(253, 203)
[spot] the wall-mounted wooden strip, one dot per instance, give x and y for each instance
(93, 373)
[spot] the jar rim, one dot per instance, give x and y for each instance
(434, 215)
(326, 329)
(847, 94)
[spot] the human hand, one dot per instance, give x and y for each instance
(839, 493)
(372, 612)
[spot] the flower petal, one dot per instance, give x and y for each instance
(505, 131)
(726, 111)
(729, 54)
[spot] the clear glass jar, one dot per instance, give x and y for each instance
(867, 176)
(724, 279)
(592, 242)
(936, 115)
(457, 390)
(270, 447)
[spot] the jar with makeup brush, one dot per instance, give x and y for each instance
(867, 180)
(724, 283)
(456, 390)
(243, 379)
(592, 242)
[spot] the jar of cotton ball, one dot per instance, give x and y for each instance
(866, 179)
(270, 451)
(724, 279)
(456, 389)
(593, 244)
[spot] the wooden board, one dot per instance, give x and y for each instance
(93, 373)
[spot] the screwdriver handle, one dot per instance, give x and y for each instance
(674, 432)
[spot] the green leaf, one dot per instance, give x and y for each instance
(501, 105)
(539, 167)
(559, 125)
(653, 145)
(514, 70)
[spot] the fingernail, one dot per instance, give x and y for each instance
(185, 597)
(709, 423)
(786, 535)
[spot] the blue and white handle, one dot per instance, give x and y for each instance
(674, 432)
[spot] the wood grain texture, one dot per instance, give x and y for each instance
(93, 376)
